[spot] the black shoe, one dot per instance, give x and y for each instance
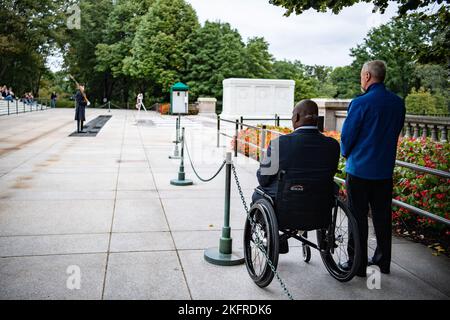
(284, 247)
(361, 274)
(346, 266)
(382, 270)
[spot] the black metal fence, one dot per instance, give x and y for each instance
(262, 133)
(16, 106)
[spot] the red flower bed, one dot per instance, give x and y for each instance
(164, 108)
(424, 191)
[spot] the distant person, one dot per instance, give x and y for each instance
(30, 98)
(369, 143)
(53, 97)
(80, 110)
(4, 92)
(139, 101)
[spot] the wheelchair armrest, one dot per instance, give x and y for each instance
(265, 195)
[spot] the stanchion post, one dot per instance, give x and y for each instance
(8, 107)
(109, 106)
(178, 127)
(218, 131)
(17, 107)
(181, 181)
(176, 154)
(263, 141)
(223, 255)
(236, 132)
(242, 122)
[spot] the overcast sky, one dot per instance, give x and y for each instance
(313, 38)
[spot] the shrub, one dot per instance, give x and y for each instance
(426, 191)
(164, 108)
(63, 103)
(424, 102)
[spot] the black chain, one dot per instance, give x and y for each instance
(193, 168)
(259, 242)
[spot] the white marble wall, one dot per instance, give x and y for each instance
(262, 98)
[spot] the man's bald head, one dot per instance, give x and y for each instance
(306, 113)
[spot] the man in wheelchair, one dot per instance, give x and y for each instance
(310, 160)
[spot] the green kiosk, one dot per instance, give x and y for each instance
(179, 98)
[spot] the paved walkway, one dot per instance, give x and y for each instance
(105, 205)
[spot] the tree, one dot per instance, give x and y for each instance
(258, 58)
(305, 86)
(321, 76)
(215, 52)
(424, 102)
(347, 82)
(79, 52)
(122, 24)
(299, 6)
(158, 49)
(29, 31)
(432, 77)
(437, 51)
(397, 43)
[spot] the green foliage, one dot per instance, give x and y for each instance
(299, 6)
(79, 53)
(396, 43)
(29, 31)
(310, 81)
(425, 191)
(123, 22)
(434, 12)
(128, 46)
(258, 59)
(432, 77)
(346, 80)
(65, 103)
(424, 102)
(161, 42)
(215, 52)
(305, 87)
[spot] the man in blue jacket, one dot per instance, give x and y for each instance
(369, 143)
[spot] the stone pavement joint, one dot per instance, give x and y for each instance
(105, 206)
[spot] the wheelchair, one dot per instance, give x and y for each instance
(301, 205)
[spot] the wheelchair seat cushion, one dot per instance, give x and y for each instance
(304, 204)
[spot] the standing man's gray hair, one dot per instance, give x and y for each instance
(377, 68)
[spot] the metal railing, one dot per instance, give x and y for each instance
(261, 146)
(424, 126)
(416, 126)
(19, 106)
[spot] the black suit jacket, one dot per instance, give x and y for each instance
(306, 151)
(80, 99)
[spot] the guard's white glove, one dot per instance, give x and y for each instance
(88, 104)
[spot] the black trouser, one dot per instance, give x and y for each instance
(378, 194)
(79, 125)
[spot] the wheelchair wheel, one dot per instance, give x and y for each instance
(261, 232)
(337, 247)
(306, 250)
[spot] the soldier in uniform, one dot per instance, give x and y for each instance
(82, 103)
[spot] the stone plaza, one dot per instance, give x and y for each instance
(104, 207)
